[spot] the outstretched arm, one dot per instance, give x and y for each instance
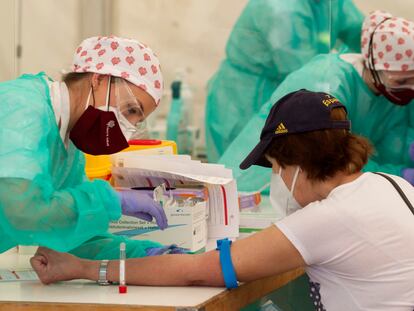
(264, 254)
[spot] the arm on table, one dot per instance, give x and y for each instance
(266, 253)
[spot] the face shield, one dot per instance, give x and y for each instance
(131, 112)
(127, 108)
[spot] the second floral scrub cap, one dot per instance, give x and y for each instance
(124, 58)
(392, 42)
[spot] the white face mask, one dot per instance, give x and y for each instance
(128, 129)
(280, 197)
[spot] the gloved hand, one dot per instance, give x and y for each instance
(142, 205)
(169, 249)
(408, 175)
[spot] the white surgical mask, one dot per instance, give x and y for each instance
(128, 129)
(280, 197)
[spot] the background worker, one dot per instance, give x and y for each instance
(271, 39)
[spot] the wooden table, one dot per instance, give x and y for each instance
(85, 295)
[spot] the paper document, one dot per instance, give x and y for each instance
(17, 276)
(132, 170)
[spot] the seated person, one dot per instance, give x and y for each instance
(353, 232)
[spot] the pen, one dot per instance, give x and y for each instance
(122, 256)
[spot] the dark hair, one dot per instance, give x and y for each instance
(323, 153)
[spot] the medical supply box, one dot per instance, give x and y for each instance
(187, 227)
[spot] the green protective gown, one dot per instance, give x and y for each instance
(389, 127)
(45, 198)
(271, 39)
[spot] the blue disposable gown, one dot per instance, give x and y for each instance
(45, 198)
(271, 39)
(389, 127)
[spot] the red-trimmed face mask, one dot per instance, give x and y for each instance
(97, 131)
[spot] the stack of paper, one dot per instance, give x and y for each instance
(131, 169)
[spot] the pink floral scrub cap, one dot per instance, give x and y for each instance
(120, 57)
(392, 41)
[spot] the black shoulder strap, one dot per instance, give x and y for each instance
(402, 194)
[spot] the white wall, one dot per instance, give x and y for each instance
(403, 8)
(188, 34)
(7, 42)
(50, 32)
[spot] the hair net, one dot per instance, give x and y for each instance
(392, 42)
(119, 57)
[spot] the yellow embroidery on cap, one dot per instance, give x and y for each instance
(281, 129)
(331, 100)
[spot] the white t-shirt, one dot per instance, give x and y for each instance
(358, 244)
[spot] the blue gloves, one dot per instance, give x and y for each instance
(408, 173)
(142, 205)
(169, 249)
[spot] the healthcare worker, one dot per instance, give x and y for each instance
(45, 198)
(375, 86)
(271, 39)
(356, 250)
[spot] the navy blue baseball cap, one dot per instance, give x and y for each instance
(297, 112)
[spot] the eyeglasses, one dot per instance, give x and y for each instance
(127, 103)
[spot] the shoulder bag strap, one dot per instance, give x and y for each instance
(399, 190)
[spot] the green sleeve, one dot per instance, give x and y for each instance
(287, 32)
(106, 246)
(43, 201)
(350, 26)
(391, 137)
(393, 169)
(31, 214)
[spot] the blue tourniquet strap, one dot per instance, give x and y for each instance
(227, 268)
